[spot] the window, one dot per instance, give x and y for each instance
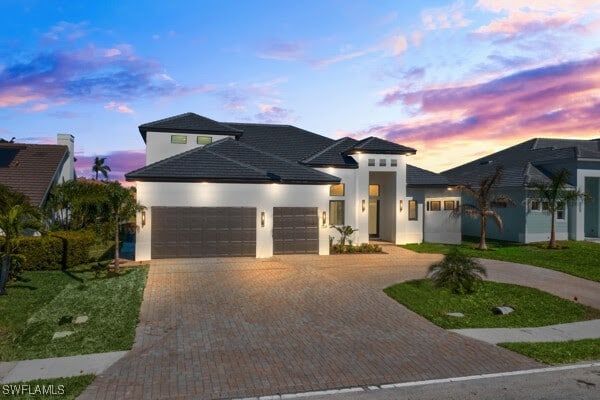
(204, 140)
(393, 163)
(435, 205)
(412, 210)
(534, 205)
(178, 139)
(337, 190)
(371, 162)
(448, 204)
(545, 206)
(560, 211)
(336, 212)
(382, 162)
(373, 190)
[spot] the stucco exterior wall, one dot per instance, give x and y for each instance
(159, 146)
(436, 226)
(262, 196)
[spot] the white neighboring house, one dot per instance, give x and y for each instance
(234, 189)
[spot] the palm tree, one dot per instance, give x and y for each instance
(100, 167)
(556, 195)
(122, 207)
(485, 200)
(16, 216)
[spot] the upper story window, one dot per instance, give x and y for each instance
(204, 140)
(382, 162)
(178, 139)
(534, 205)
(560, 211)
(373, 190)
(371, 162)
(393, 163)
(337, 190)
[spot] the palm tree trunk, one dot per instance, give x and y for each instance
(482, 243)
(117, 248)
(4, 275)
(552, 244)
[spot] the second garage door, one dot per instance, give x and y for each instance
(192, 232)
(295, 230)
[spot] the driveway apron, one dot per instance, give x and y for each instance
(227, 328)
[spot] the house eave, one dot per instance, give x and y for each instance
(144, 131)
(229, 180)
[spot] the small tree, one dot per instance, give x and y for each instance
(484, 201)
(100, 167)
(345, 232)
(556, 195)
(121, 207)
(457, 272)
(16, 216)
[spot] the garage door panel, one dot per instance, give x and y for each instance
(203, 232)
(295, 230)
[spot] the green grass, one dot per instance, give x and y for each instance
(559, 352)
(69, 387)
(45, 302)
(574, 258)
(532, 307)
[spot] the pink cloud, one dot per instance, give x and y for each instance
(118, 107)
(557, 100)
(120, 162)
(287, 51)
(273, 114)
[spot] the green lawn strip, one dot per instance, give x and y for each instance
(112, 304)
(574, 258)
(558, 352)
(532, 307)
(63, 388)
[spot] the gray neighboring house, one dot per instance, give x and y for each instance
(530, 161)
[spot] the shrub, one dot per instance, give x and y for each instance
(457, 272)
(362, 248)
(38, 252)
(75, 247)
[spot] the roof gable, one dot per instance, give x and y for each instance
(375, 145)
(334, 155)
(188, 122)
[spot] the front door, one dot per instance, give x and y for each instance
(373, 218)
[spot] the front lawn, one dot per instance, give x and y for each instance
(63, 388)
(558, 352)
(45, 303)
(532, 307)
(574, 258)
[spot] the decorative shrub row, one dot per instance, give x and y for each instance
(55, 251)
(349, 249)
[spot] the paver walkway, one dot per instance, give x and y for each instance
(223, 328)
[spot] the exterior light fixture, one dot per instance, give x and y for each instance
(143, 217)
(262, 219)
(324, 218)
(364, 205)
(401, 205)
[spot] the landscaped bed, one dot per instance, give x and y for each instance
(63, 388)
(532, 307)
(558, 352)
(44, 303)
(574, 258)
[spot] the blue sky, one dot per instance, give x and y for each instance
(455, 80)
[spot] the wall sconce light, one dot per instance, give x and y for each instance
(324, 218)
(262, 219)
(364, 205)
(401, 205)
(143, 217)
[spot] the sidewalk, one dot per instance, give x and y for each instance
(60, 367)
(552, 333)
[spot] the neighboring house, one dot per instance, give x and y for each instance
(533, 161)
(236, 189)
(32, 169)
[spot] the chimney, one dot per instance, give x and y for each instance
(68, 168)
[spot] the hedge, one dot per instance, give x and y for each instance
(55, 251)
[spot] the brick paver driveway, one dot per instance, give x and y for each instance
(225, 328)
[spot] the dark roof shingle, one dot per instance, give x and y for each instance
(188, 122)
(334, 155)
(376, 145)
(416, 176)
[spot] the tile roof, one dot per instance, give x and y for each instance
(188, 122)
(334, 155)
(416, 177)
(376, 145)
(31, 168)
(525, 162)
(229, 161)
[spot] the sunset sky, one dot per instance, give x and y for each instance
(455, 80)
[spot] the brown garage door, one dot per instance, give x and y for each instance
(295, 230)
(191, 232)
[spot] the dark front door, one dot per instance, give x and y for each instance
(373, 218)
(295, 230)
